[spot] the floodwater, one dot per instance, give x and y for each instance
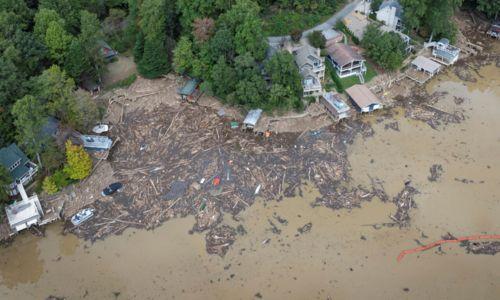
(342, 257)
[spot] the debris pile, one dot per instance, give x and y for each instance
(489, 248)
(432, 116)
(436, 172)
(404, 203)
(219, 239)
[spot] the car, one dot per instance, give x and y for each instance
(112, 188)
(82, 216)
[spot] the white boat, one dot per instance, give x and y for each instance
(82, 216)
(100, 128)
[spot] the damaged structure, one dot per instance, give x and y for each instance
(21, 168)
(335, 106)
(423, 69)
(190, 91)
(96, 142)
(252, 119)
(444, 52)
(312, 69)
(364, 99)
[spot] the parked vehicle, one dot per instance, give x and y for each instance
(112, 188)
(82, 216)
(100, 128)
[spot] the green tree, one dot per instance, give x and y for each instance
(138, 47)
(57, 41)
(5, 180)
(78, 162)
(154, 61)
(490, 7)
(52, 157)
(183, 55)
(68, 9)
(223, 78)
(43, 18)
(385, 48)
(49, 186)
(77, 62)
(281, 97)
(316, 39)
(30, 116)
(249, 38)
(283, 71)
(375, 5)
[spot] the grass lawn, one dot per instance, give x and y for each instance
(278, 21)
(344, 83)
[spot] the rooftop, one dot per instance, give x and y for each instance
(9, 156)
(343, 54)
(253, 117)
(96, 142)
(306, 55)
(426, 64)
(22, 211)
(390, 4)
(336, 102)
(362, 96)
(189, 87)
(330, 34)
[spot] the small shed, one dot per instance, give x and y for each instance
(426, 65)
(364, 99)
(96, 142)
(332, 36)
(106, 51)
(335, 106)
(252, 119)
(190, 91)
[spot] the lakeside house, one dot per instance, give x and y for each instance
(252, 119)
(312, 69)
(20, 167)
(346, 61)
(25, 213)
(364, 99)
(390, 13)
(444, 52)
(332, 36)
(426, 65)
(335, 106)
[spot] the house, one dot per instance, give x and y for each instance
(335, 106)
(390, 13)
(106, 51)
(312, 69)
(191, 90)
(426, 65)
(494, 30)
(332, 36)
(446, 53)
(20, 167)
(96, 142)
(364, 99)
(346, 61)
(25, 213)
(252, 119)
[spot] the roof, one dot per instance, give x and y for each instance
(189, 87)
(306, 55)
(9, 156)
(330, 34)
(426, 64)
(335, 102)
(362, 96)
(343, 54)
(105, 50)
(253, 117)
(390, 4)
(444, 41)
(21, 211)
(96, 142)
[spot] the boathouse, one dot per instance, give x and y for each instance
(364, 99)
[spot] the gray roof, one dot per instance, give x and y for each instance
(395, 4)
(330, 34)
(96, 142)
(335, 102)
(189, 87)
(306, 55)
(253, 117)
(9, 156)
(343, 54)
(426, 64)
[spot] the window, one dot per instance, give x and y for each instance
(15, 165)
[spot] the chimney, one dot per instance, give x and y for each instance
(21, 190)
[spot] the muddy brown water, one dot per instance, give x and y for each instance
(342, 257)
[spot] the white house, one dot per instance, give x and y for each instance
(391, 13)
(24, 214)
(335, 106)
(312, 69)
(446, 53)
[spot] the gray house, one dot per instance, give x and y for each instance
(20, 167)
(312, 69)
(346, 61)
(445, 53)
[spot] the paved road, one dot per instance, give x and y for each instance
(328, 24)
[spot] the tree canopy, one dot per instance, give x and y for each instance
(385, 48)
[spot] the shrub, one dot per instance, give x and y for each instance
(61, 179)
(296, 35)
(316, 39)
(78, 162)
(49, 186)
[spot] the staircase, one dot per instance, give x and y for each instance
(361, 78)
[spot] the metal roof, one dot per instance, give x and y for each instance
(253, 117)
(189, 87)
(9, 156)
(426, 64)
(362, 96)
(343, 54)
(96, 142)
(330, 34)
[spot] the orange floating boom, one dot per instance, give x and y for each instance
(440, 242)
